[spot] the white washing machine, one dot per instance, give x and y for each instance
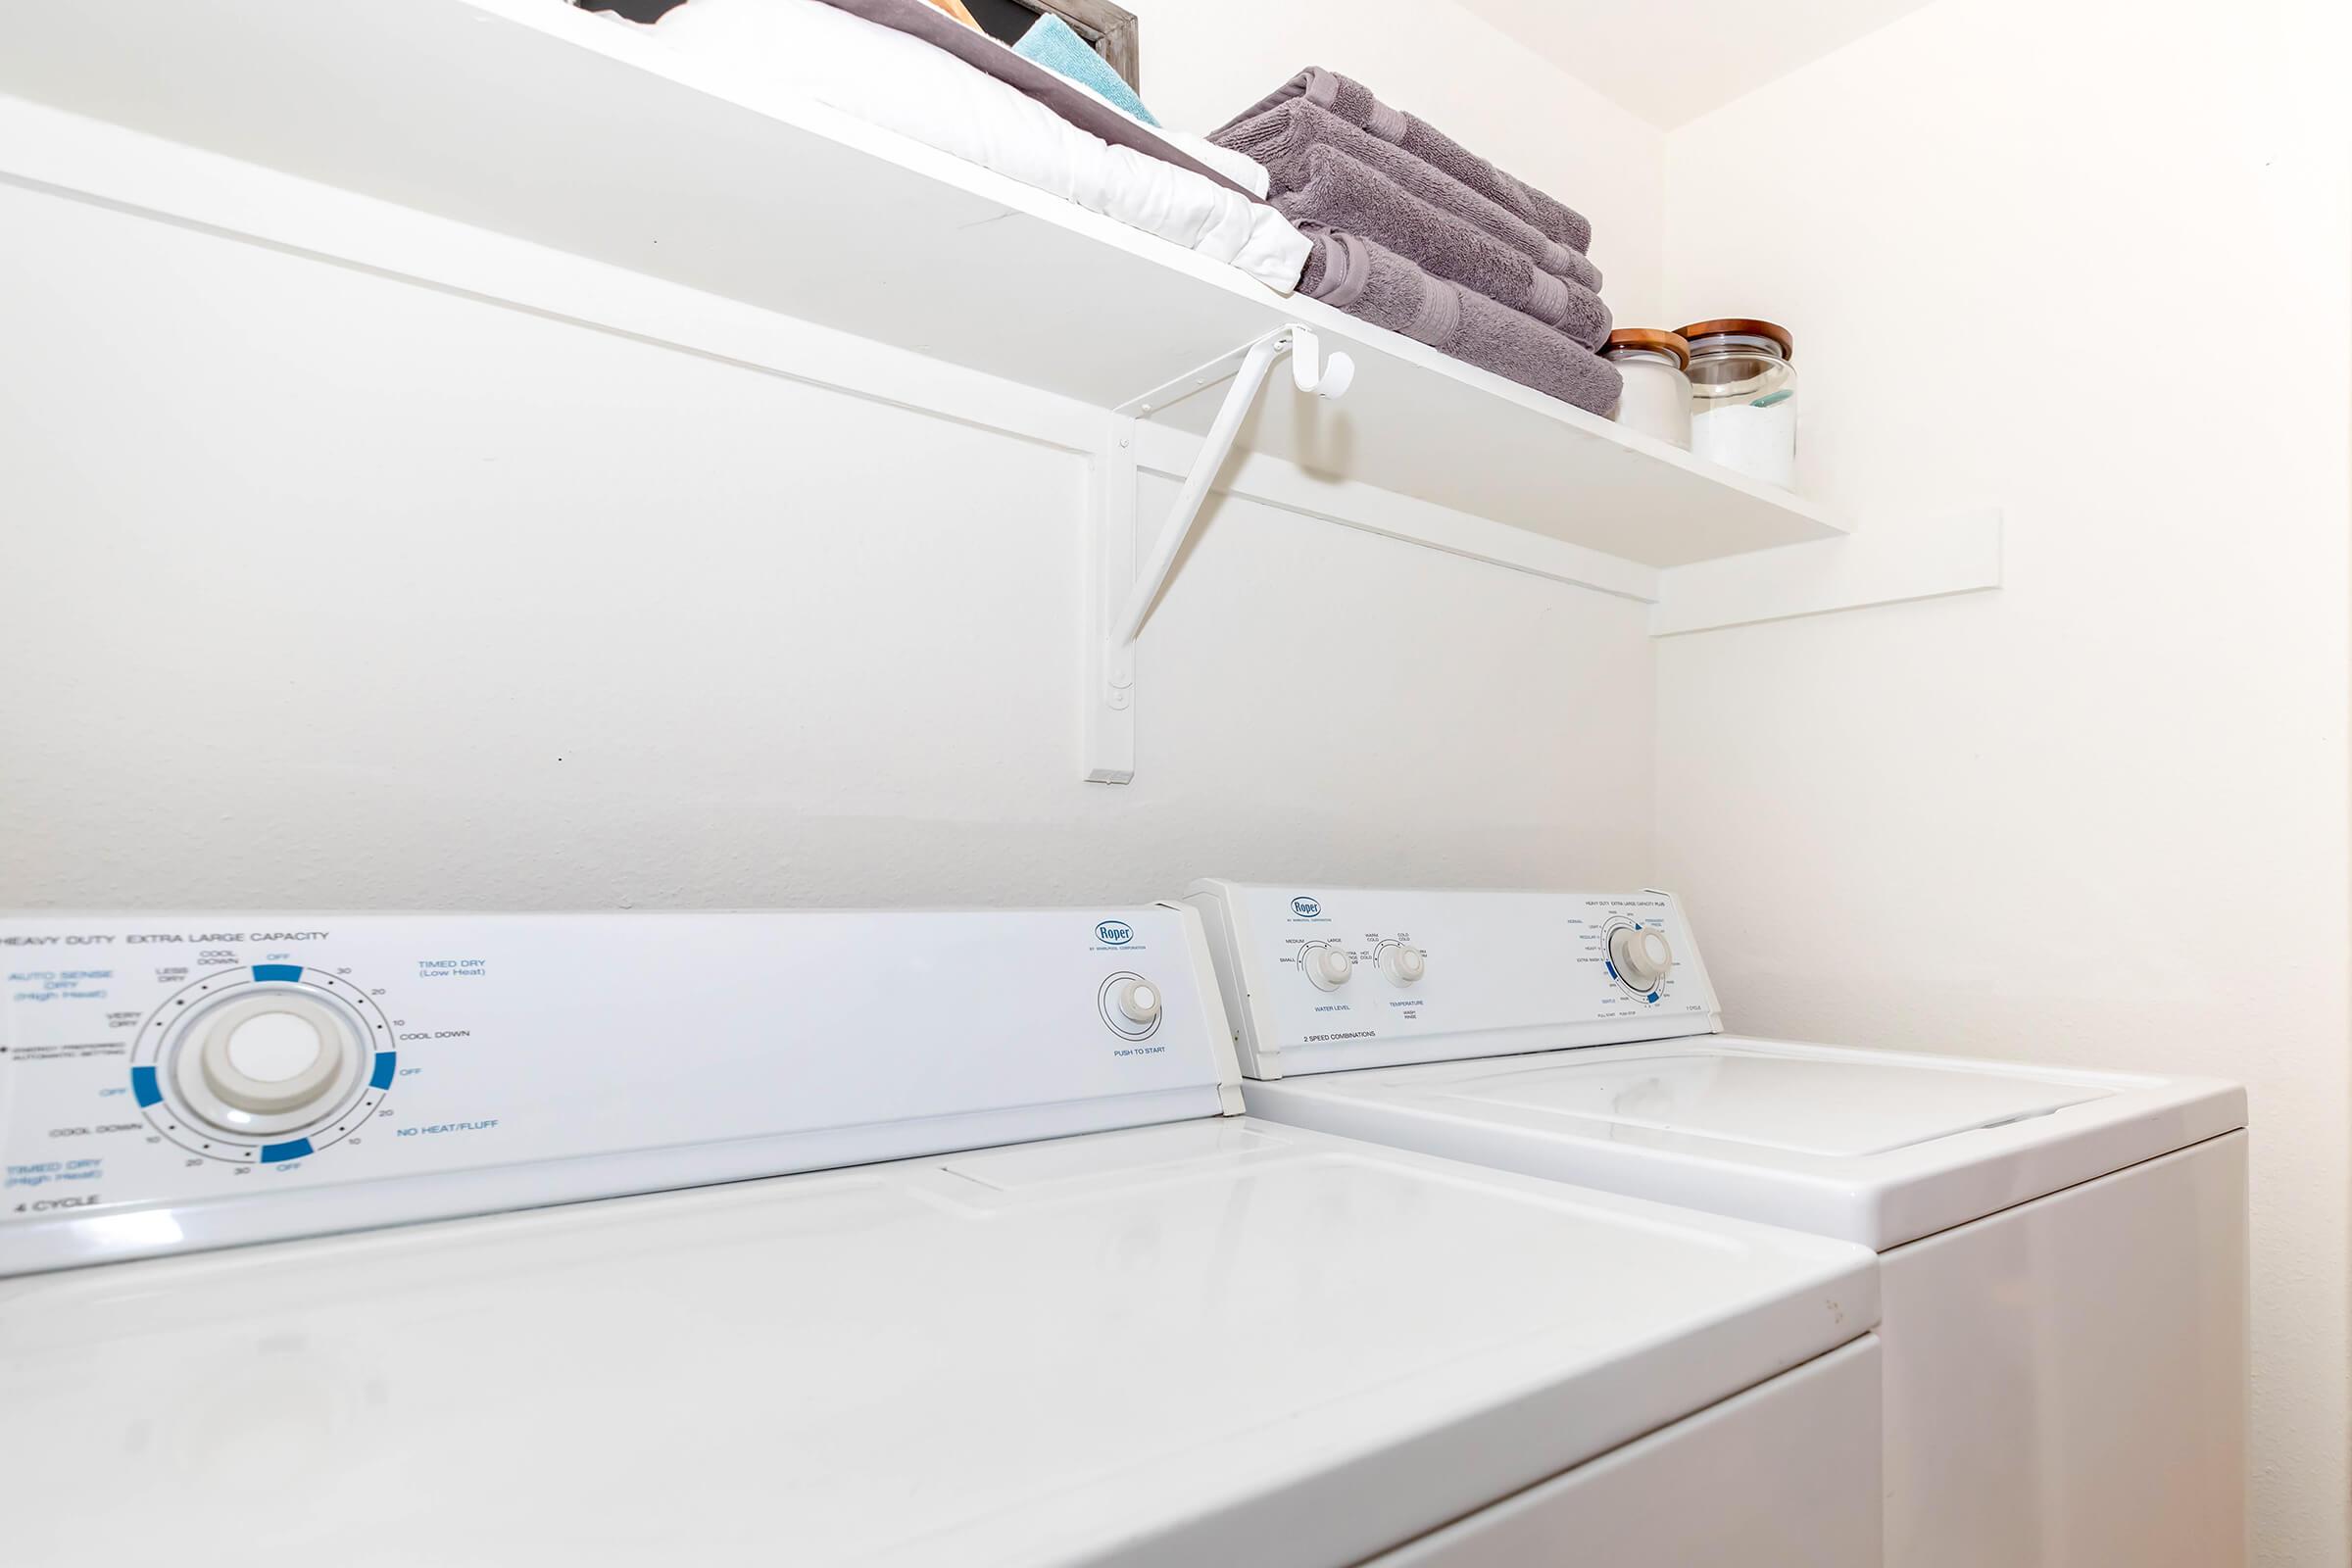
(2064, 1252)
(318, 1251)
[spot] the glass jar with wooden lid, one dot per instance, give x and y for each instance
(1656, 400)
(1743, 397)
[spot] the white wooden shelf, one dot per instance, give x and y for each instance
(524, 152)
(527, 118)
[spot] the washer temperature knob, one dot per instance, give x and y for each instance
(1643, 957)
(1403, 964)
(1326, 965)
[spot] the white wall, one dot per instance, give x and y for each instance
(2091, 262)
(324, 588)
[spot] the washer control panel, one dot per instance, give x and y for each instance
(1328, 979)
(190, 1080)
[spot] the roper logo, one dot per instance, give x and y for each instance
(1306, 909)
(1115, 933)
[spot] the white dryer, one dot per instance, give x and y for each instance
(2064, 1252)
(396, 1240)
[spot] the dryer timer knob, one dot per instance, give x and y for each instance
(1643, 957)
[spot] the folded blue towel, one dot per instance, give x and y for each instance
(1052, 44)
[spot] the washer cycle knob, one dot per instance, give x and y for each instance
(1643, 957)
(1326, 965)
(1403, 965)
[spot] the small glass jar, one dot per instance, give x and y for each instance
(1656, 400)
(1744, 398)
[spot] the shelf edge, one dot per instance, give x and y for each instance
(1275, 482)
(69, 156)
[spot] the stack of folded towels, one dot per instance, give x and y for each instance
(1413, 233)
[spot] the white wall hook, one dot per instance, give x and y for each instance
(1329, 379)
(1123, 596)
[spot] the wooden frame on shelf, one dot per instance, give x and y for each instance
(1109, 31)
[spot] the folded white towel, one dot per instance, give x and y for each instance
(773, 50)
(1240, 168)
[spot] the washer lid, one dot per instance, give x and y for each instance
(1173, 1345)
(1803, 1104)
(1876, 1147)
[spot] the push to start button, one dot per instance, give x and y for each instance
(1131, 1005)
(1138, 1003)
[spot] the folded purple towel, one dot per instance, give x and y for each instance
(1281, 137)
(1343, 194)
(1368, 281)
(1353, 102)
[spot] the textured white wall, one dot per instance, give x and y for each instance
(326, 589)
(2093, 262)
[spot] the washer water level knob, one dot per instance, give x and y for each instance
(1326, 965)
(1403, 964)
(1139, 1001)
(1643, 957)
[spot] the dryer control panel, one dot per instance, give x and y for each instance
(189, 1080)
(1328, 979)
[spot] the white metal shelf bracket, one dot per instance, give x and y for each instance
(1120, 596)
